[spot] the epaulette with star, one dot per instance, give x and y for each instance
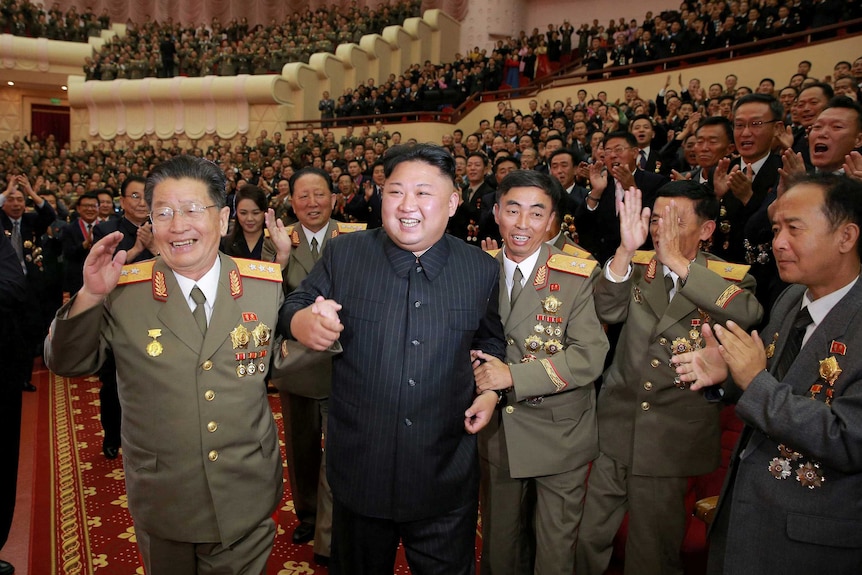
(572, 265)
(348, 227)
(136, 272)
(643, 257)
(258, 269)
(727, 270)
(576, 251)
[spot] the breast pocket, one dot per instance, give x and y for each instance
(362, 309)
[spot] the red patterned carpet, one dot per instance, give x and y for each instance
(81, 523)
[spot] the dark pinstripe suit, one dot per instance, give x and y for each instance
(396, 444)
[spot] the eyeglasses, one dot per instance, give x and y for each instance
(135, 196)
(190, 211)
(755, 125)
(618, 149)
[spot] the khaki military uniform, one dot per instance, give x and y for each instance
(546, 431)
(200, 447)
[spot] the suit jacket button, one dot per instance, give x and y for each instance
(655, 363)
(648, 386)
(645, 406)
(510, 409)
(209, 395)
(207, 365)
(212, 426)
(213, 455)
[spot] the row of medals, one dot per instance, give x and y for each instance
(250, 362)
(552, 328)
(681, 345)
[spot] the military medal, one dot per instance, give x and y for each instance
(240, 370)
(779, 468)
(239, 337)
(261, 367)
(261, 335)
(551, 304)
(558, 331)
(533, 343)
(770, 349)
(552, 346)
(549, 331)
(829, 372)
(788, 453)
(528, 357)
(810, 475)
(539, 328)
(28, 244)
(154, 348)
(680, 345)
(638, 296)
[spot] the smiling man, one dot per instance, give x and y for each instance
(835, 133)
(191, 331)
(407, 303)
(549, 369)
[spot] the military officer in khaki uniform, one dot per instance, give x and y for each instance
(653, 433)
(305, 389)
(545, 434)
(192, 335)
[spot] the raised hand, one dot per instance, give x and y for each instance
(279, 236)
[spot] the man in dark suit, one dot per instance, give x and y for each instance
(77, 239)
(464, 223)
(645, 133)
(407, 303)
(137, 242)
(653, 435)
(597, 220)
(743, 183)
(13, 289)
(24, 229)
(794, 487)
(191, 331)
(549, 370)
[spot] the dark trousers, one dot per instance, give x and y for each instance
(10, 437)
(109, 410)
(440, 545)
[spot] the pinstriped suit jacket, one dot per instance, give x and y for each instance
(396, 443)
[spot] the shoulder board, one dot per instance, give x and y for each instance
(493, 253)
(288, 229)
(348, 227)
(727, 270)
(643, 257)
(137, 272)
(258, 269)
(572, 265)
(576, 251)
(266, 232)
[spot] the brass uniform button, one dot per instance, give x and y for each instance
(662, 341)
(212, 426)
(510, 409)
(209, 395)
(207, 365)
(213, 455)
(648, 386)
(655, 363)
(645, 406)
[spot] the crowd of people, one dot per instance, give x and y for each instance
(24, 18)
(729, 151)
(167, 49)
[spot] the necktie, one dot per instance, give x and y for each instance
(315, 253)
(200, 313)
(669, 286)
(642, 160)
(17, 242)
(619, 194)
(90, 232)
(793, 345)
(517, 288)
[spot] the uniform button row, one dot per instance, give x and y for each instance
(207, 365)
(209, 395)
(213, 455)
(212, 426)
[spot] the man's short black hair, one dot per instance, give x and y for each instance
(718, 121)
(842, 201)
(190, 167)
(431, 154)
(129, 180)
(623, 135)
(843, 102)
(531, 179)
(311, 171)
(705, 202)
(775, 107)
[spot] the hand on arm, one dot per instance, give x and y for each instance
(317, 326)
(489, 372)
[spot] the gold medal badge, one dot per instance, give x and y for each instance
(239, 337)
(154, 348)
(552, 346)
(533, 343)
(261, 334)
(539, 328)
(770, 349)
(680, 345)
(551, 304)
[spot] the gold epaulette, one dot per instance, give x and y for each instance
(493, 253)
(727, 270)
(643, 257)
(576, 251)
(572, 265)
(137, 272)
(348, 227)
(258, 269)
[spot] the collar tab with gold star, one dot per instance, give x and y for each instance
(727, 270)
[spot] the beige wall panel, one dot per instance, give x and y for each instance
(420, 32)
(356, 64)
(401, 41)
